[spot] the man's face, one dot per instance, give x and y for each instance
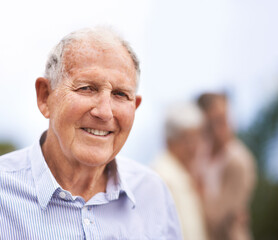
(91, 111)
(188, 144)
(217, 118)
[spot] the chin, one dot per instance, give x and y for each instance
(94, 160)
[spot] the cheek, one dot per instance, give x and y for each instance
(66, 113)
(125, 115)
(74, 106)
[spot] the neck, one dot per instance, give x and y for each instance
(219, 146)
(183, 160)
(187, 164)
(79, 180)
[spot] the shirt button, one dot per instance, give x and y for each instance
(62, 195)
(87, 221)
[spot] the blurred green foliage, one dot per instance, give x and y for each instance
(264, 210)
(6, 147)
(264, 207)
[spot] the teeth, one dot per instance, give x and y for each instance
(96, 132)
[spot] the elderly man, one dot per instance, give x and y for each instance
(228, 174)
(70, 184)
(175, 165)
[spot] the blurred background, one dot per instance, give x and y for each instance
(186, 47)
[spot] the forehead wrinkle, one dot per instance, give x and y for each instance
(95, 73)
(83, 51)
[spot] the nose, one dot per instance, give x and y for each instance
(102, 107)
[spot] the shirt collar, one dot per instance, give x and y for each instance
(123, 183)
(46, 184)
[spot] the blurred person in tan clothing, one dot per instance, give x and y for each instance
(227, 174)
(175, 165)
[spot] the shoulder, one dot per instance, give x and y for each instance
(240, 154)
(131, 169)
(15, 175)
(241, 165)
(141, 179)
(170, 170)
(153, 199)
(15, 161)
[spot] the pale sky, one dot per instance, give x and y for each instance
(185, 47)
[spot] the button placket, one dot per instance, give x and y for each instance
(88, 221)
(87, 215)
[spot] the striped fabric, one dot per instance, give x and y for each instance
(34, 206)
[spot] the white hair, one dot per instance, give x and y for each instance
(79, 41)
(183, 116)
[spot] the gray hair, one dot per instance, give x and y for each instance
(183, 116)
(104, 36)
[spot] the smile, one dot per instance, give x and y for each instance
(96, 132)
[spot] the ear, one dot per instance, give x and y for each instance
(43, 91)
(138, 101)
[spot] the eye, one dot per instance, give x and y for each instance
(85, 89)
(120, 94)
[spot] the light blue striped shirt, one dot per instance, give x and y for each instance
(34, 206)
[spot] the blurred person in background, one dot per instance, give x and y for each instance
(226, 174)
(175, 165)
